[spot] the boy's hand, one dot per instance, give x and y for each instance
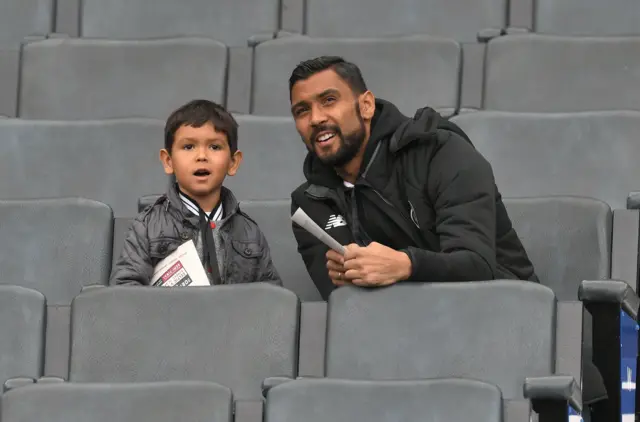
(375, 265)
(335, 265)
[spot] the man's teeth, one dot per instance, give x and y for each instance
(325, 137)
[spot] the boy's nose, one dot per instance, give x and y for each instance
(202, 154)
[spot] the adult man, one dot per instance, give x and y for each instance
(412, 198)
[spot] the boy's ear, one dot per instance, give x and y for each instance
(236, 159)
(165, 159)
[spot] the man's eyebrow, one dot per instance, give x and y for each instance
(320, 95)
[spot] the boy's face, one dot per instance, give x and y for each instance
(200, 159)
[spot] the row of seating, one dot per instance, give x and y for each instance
(116, 161)
(235, 22)
(70, 79)
(251, 338)
(309, 400)
(60, 246)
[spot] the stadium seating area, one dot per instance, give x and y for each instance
(547, 90)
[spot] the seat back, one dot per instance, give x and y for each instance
(497, 331)
(74, 79)
(334, 18)
(121, 227)
(141, 402)
(319, 400)
(568, 240)
(113, 161)
(23, 315)
(272, 162)
(544, 73)
(590, 154)
(55, 246)
(234, 335)
(21, 18)
(587, 17)
(231, 22)
(378, 58)
(274, 219)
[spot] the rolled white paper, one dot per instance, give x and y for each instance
(303, 220)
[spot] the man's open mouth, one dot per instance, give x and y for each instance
(324, 137)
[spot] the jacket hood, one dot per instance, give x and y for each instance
(386, 119)
(424, 125)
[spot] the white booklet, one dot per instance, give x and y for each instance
(303, 220)
(182, 268)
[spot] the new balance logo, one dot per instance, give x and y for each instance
(335, 221)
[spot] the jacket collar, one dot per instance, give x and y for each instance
(174, 202)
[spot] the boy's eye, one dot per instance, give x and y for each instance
(214, 147)
(188, 147)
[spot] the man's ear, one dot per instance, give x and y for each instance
(165, 159)
(367, 105)
(236, 159)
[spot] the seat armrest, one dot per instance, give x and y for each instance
(611, 291)
(50, 380)
(260, 37)
(271, 382)
(555, 388)
(17, 382)
(487, 34)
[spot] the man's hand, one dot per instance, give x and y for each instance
(375, 265)
(335, 265)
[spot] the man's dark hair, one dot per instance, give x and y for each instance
(348, 71)
(198, 113)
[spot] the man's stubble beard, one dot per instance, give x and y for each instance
(349, 145)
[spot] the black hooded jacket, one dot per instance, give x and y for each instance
(422, 189)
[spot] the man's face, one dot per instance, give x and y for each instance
(328, 117)
(200, 159)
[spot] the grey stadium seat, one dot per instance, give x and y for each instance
(274, 220)
(234, 335)
(340, 18)
(429, 74)
(273, 156)
(544, 73)
(381, 334)
(588, 17)
(319, 400)
(142, 402)
(569, 239)
(113, 161)
(589, 154)
(55, 246)
(517, 333)
(74, 79)
(231, 22)
(18, 19)
(23, 316)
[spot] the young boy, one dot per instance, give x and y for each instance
(201, 149)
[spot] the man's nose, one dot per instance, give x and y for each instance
(318, 116)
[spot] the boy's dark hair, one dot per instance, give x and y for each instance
(197, 113)
(348, 71)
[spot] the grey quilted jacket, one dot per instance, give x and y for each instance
(241, 248)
